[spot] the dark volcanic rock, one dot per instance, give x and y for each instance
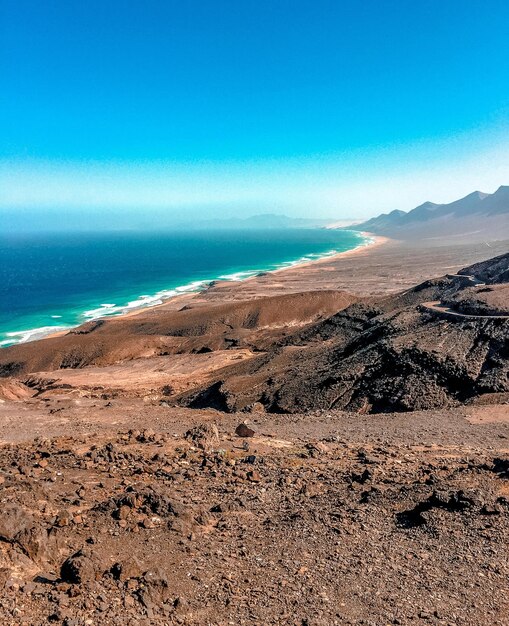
(243, 430)
(81, 567)
(492, 271)
(388, 356)
(492, 300)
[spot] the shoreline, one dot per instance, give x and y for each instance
(370, 242)
(376, 240)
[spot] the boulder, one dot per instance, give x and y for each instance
(80, 567)
(243, 430)
(34, 542)
(13, 521)
(155, 588)
(203, 436)
(127, 569)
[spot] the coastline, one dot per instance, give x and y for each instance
(375, 241)
(370, 242)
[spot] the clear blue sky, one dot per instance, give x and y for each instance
(284, 104)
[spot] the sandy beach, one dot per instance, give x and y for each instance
(177, 302)
(382, 266)
(181, 300)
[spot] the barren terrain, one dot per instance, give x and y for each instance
(123, 513)
(357, 471)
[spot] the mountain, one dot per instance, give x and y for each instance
(476, 217)
(439, 344)
(260, 222)
(112, 219)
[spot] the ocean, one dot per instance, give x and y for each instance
(50, 282)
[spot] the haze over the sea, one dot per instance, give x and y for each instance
(126, 125)
(202, 110)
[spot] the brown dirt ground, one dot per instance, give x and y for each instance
(121, 510)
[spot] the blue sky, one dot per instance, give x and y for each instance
(334, 108)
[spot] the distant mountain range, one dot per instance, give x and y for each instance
(130, 220)
(261, 222)
(475, 217)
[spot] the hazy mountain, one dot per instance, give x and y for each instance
(477, 216)
(262, 221)
(115, 219)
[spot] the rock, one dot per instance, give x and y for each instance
(454, 501)
(80, 567)
(29, 587)
(361, 478)
(243, 430)
(204, 436)
(123, 512)
(64, 518)
(146, 436)
(317, 447)
(489, 509)
(501, 467)
(254, 476)
(148, 523)
(5, 574)
(312, 489)
(124, 571)
(155, 588)
(13, 520)
(18, 526)
(257, 407)
(34, 542)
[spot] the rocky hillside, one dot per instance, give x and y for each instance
(393, 354)
(492, 271)
(121, 506)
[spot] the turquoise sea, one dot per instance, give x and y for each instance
(55, 281)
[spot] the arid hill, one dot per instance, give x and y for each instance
(159, 332)
(119, 508)
(492, 271)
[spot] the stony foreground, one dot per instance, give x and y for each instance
(315, 520)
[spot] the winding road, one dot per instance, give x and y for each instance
(443, 309)
(446, 311)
